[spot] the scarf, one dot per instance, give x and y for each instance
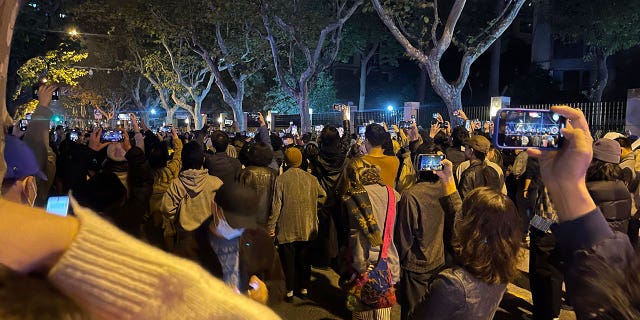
(359, 207)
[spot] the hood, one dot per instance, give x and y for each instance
(195, 181)
(331, 161)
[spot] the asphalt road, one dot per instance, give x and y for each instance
(326, 300)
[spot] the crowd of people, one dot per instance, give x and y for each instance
(208, 224)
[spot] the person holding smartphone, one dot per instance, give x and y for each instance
(37, 138)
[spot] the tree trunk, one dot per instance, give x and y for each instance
(238, 115)
(303, 105)
(422, 85)
(602, 76)
(170, 113)
(363, 83)
(8, 12)
(364, 72)
(197, 119)
(494, 69)
(496, 50)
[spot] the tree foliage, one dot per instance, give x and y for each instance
(612, 25)
(321, 97)
(57, 66)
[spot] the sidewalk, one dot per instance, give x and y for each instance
(326, 300)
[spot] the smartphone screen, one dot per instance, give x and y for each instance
(430, 162)
(525, 128)
(124, 116)
(23, 124)
(58, 205)
(467, 125)
(112, 136)
(392, 133)
(73, 135)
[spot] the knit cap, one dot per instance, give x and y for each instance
(293, 157)
(607, 150)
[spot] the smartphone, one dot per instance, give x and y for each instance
(73, 135)
(58, 205)
(23, 124)
(228, 123)
(54, 96)
(124, 117)
(467, 125)
(338, 107)
(392, 133)
(430, 162)
(435, 115)
(112, 136)
(253, 120)
(527, 128)
(166, 129)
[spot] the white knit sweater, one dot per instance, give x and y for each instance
(114, 276)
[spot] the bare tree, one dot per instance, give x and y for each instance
(317, 55)
(190, 75)
(442, 36)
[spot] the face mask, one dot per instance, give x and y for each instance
(34, 191)
(224, 230)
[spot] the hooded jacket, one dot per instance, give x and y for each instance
(190, 197)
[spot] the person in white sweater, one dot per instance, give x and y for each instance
(112, 275)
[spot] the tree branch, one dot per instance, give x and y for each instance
(412, 51)
(497, 29)
(447, 34)
(274, 50)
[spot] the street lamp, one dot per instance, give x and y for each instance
(73, 32)
(153, 111)
(389, 108)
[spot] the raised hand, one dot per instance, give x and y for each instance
(94, 140)
(563, 172)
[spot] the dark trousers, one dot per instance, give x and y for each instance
(413, 287)
(544, 276)
(634, 227)
(295, 264)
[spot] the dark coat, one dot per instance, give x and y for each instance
(455, 293)
(223, 167)
(614, 200)
(261, 180)
(593, 251)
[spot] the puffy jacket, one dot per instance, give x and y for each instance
(261, 180)
(614, 200)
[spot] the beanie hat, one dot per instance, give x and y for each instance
(607, 150)
(293, 157)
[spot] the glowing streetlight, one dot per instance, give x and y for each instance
(310, 111)
(186, 120)
(389, 108)
(153, 111)
(220, 119)
(73, 32)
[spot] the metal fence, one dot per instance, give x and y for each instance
(601, 116)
